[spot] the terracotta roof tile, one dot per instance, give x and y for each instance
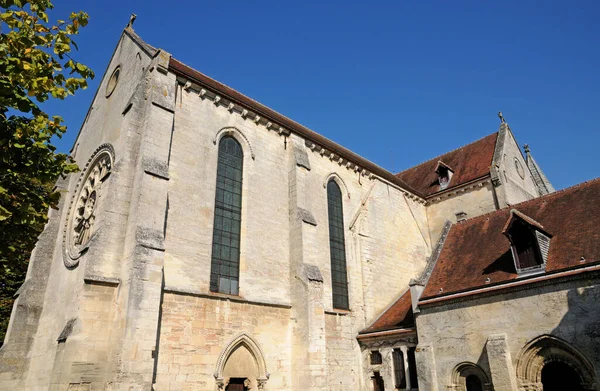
(468, 163)
(515, 213)
(572, 216)
(189, 73)
(399, 315)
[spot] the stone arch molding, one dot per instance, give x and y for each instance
(545, 349)
(338, 179)
(242, 341)
(85, 209)
(235, 133)
(464, 369)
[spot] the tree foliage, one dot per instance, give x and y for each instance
(35, 65)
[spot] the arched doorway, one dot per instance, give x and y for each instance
(549, 363)
(237, 384)
(558, 376)
(473, 383)
(468, 376)
(241, 366)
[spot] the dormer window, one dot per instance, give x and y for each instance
(444, 173)
(529, 242)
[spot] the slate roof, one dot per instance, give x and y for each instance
(476, 249)
(473, 161)
(399, 315)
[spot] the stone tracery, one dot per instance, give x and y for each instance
(83, 212)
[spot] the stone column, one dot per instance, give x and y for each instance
(501, 368)
(404, 350)
(386, 369)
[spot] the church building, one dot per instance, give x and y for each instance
(210, 243)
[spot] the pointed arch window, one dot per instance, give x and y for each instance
(337, 247)
(225, 259)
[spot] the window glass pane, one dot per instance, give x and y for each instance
(337, 247)
(376, 358)
(399, 373)
(228, 206)
(412, 368)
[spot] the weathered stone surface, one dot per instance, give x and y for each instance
(301, 156)
(467, 330)
(306, 216)
(313, 273)
(501, 363)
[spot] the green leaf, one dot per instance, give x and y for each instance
(31, 71)
(4, 213)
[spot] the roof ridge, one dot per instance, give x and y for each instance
(290, 124)
(233, 89)
(446, 153)
(140, 41)
(545, 197)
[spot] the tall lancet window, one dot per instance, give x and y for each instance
(225, 263)
(337, 247)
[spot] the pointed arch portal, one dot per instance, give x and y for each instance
(243, 362)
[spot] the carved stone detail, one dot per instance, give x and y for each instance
(83, 212)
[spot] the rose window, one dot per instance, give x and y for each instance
(84, 209)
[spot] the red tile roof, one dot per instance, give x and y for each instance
(189, 73)
(476, 249)
(516, 214)
(468, 163)
(399, 315)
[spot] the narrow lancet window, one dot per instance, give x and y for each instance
(225, 262)
(337, 247)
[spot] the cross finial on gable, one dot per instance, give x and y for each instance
(502, 120)
(131, 20)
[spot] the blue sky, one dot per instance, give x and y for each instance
(398, 82)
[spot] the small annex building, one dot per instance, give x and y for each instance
(508, 302)
(210, 243)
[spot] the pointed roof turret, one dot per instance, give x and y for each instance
(541, 181)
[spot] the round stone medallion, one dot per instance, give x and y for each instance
(519, 168)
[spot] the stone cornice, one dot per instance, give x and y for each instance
(257, 119)
(221, 296)
(457, 191)
(233, 101)
(388, 337)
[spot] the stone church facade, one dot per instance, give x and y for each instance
(210, 243)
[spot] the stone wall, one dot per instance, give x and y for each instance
(492, 331)
(61, 295)
(343, 353)
(517, 181)
(283, 176)
(196, 330)
(474, 200)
